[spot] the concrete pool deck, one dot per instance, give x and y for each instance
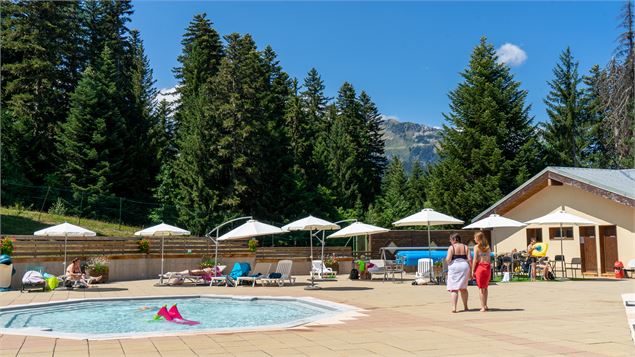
(569, 318)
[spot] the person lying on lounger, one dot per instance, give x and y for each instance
(197, 272)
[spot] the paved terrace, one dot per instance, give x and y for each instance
(572, 318)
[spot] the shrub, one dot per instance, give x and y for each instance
(7, 246)
(58, 208)
(98, 265)
(144, 246)
(20, 208)
(208, 263)
(330, 260)
(252, 245)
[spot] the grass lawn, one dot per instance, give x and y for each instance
(23, 222)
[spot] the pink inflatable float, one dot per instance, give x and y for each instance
(173, 315)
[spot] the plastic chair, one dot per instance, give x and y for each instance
(575, 264)
(424, 269)
(559, 265)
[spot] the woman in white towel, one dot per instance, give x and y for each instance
(459, 270)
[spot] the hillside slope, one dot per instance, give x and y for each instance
(22, 222)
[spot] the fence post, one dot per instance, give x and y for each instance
(44, 202)
(120, 204)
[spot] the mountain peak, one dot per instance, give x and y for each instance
(410, 141)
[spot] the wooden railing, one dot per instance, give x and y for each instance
(36, 247)
(278, 253)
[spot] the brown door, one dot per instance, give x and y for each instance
(608, 248)
(587, 249)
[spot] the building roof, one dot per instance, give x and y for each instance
(618, 185)
(621, 182)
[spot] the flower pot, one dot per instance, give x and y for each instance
(333, 266)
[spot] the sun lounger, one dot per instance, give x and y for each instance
(260, 271)
(378, 268)
(321, 272)
(394, 267)
(630, 269)
(282, 274)
(240, 269)
(424, 268)
(33, 278)
(178, 278)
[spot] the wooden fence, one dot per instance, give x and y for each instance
(42, 247)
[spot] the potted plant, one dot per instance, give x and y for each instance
(207, 263)
(144, 246)
(330, 261)
(6, 246)
(98, 266)
(252, 245)
(438, 268)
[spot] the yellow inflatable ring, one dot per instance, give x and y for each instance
(540, 249)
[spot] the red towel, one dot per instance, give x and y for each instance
(483, 273)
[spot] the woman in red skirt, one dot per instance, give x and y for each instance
(481, 268)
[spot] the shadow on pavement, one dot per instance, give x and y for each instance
(348, 288)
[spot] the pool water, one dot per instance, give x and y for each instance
(117, 317)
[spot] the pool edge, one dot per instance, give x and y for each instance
(337, 313)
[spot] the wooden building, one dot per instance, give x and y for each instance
(606, 197)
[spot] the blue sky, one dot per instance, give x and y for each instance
(406, 55)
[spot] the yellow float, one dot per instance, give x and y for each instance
(540, 249)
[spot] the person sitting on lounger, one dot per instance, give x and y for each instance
(544, 266)
(74, 274)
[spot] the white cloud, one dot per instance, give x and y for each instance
(511, 55)
(168, 94)
(387, 117)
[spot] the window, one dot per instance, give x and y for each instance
(534, 233)
(587, 231)
(554, 233)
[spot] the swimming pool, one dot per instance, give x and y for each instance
(134, 317)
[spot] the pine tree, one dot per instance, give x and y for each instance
(164, 132)
(140, 121)
(192, 181)
(40, 68)
(618, 93)
(372, 150)
(596, 154)
(201, 56)
(393, 203)
(487, 149)
(163, 136)
(314, 106)
(345, 148)
(565, 134)
(340, 155)
(220, 179)
(303, 134)
(274, 186)
(105, 25)
(90, 140)
(314, 103)
(297, 126)
(416, 187)
(313, 160)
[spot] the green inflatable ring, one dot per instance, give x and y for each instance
(52, 283)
